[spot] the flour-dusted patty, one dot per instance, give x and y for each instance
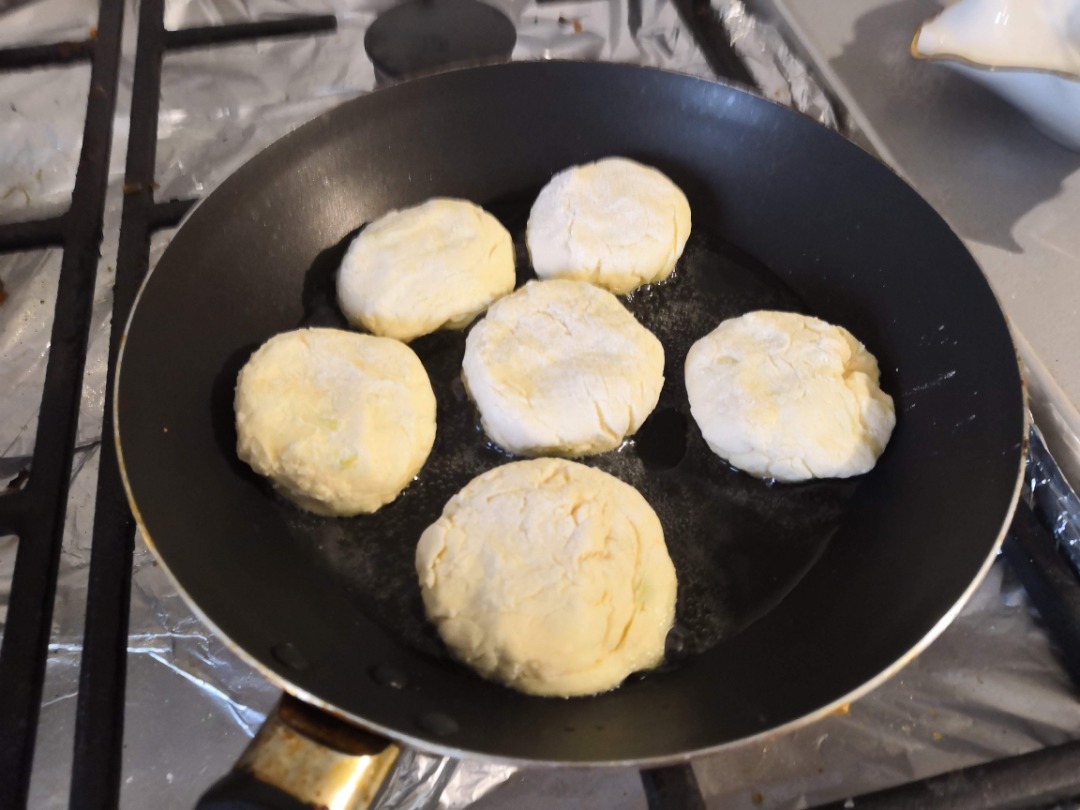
(340, 422)
(562, 368)
(550, 577)
(614, 223)
(435, 266)
(788, 397)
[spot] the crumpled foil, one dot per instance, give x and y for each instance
(780, 74)
(990, 686)
(1051, 494)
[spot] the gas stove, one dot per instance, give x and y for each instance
(112, 694)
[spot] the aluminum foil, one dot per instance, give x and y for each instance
(990, 686)
(41, 120)
(1050, 493)
(780, 74)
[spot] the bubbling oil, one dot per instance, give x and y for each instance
(739, 544)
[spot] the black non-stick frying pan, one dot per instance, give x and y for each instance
(793, 598)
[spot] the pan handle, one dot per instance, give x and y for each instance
(303, 758)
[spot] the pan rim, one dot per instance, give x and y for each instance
(427, 745)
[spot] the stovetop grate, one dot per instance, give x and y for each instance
(33, 506)
(34, 511)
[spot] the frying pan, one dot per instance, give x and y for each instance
(793, 598)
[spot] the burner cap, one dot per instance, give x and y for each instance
(424, 35)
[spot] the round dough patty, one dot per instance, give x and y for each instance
(550, 577)
(788, 397)
(340, 422)
(437, 265)
(614, 223)
(562, 368)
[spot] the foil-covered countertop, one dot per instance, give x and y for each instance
(990, 686)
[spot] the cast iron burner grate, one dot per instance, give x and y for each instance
(32, 508)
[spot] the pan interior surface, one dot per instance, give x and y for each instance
(739, 544)
(791, 597)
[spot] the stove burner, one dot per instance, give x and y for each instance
(422, 36)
